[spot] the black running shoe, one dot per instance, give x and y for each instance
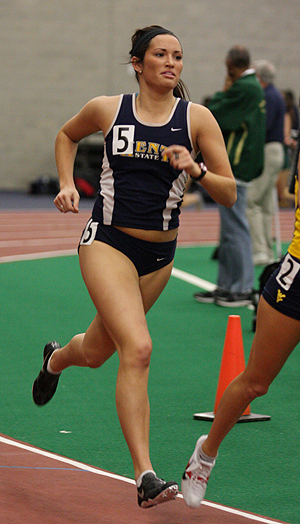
(45, 385)
(206, 297)
(154, 490)
(234, 299)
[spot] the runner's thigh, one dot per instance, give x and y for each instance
(114, 286)
(153, 284)
(275, 338)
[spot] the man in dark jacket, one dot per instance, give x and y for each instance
(240, 112)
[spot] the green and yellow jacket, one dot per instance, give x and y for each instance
(240, 113)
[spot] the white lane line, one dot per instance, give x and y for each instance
(177, 273)
(65, 460)
(192, 279)
(37, 256)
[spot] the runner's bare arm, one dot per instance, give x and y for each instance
(95, 116)
(207, 138)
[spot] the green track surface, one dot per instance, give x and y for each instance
(41, 300)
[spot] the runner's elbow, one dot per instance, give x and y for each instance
(231, 195)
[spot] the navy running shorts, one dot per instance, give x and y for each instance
(146, 256)
(282, 291)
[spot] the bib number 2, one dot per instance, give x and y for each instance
(288, 272)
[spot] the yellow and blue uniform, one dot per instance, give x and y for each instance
(282, 290)
(294, 248)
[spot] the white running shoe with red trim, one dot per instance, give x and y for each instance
(195, 477)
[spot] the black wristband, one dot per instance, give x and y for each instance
(203, 172)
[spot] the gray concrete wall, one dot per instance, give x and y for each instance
(55, 56)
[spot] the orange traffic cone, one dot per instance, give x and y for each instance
(233, 359)
(233, 363)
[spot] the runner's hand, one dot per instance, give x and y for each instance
(180, 158)
(67, 200)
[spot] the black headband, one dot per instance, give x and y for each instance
(146, 37)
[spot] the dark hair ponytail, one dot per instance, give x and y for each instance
(181, 91)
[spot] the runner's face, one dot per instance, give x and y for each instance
(162, 64)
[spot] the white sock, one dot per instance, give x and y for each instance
(205, 457)
(49, 368)
(140, 478)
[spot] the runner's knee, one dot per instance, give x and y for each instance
(256, 388)
(91, 355)
(138, 355)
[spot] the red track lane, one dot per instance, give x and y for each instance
(45, 488)
(25, 233)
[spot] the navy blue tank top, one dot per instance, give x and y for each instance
(138, 187)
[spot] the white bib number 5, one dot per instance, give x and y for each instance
(123, 140)
(88, 235)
